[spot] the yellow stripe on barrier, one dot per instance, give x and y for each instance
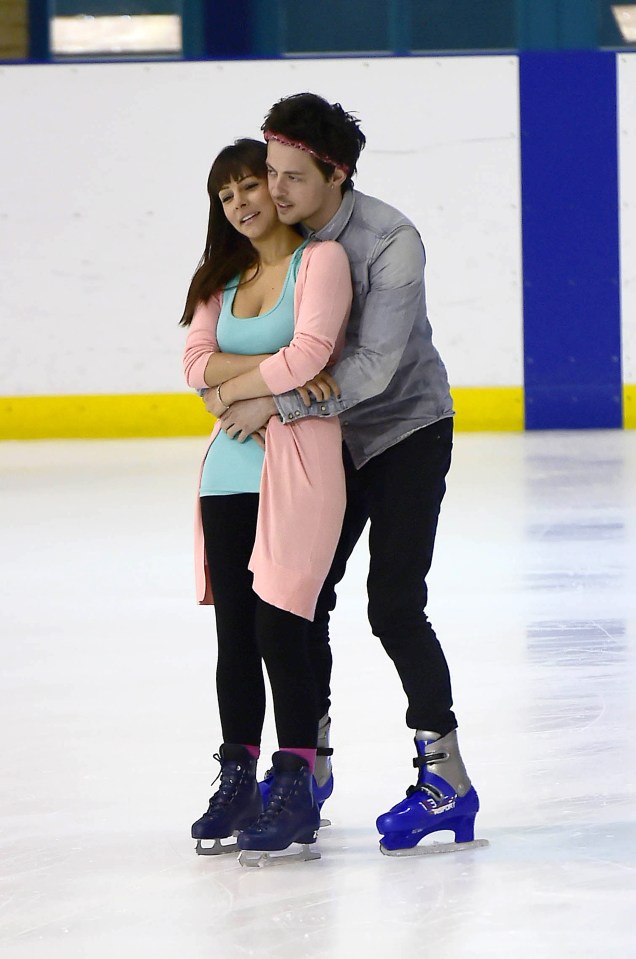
(183, 414)
(102, 417)
(629, 407)
(488, 408)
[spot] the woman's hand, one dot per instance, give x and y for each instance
(322, 387)
(259, 436)
(246, 417)
(212, 404)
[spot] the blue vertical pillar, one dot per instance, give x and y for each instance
(39, 31)
(400, 27)
(570, 236)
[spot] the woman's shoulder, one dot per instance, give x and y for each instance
(206, 307)
(328, 250)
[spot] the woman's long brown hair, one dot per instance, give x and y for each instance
(227, 253)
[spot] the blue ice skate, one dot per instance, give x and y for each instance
(323, 773)
(235, 805)
(321, 793)
(290, 816)
(442, 799)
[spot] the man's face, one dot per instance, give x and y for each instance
(299, 189)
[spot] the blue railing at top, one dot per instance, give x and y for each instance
(234, 29)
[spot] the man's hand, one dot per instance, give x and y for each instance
(247, 417)
(321, 388)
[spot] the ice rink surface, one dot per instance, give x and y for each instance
(109, 721)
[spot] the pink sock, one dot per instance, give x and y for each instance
(308, 754)
(254, 751)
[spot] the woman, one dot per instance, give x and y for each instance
(267, 311)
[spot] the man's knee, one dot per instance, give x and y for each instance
(397, 627)
(397, 608)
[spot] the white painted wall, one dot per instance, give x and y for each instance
(103, 205)
(627, 180)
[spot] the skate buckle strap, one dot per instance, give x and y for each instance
(431, 792)
(324, 751)
(429, 759)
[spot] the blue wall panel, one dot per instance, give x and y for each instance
(570, 235)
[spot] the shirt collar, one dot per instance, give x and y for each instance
(335, 226)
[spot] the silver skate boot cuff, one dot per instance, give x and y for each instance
(443, 759)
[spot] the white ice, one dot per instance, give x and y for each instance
(108, 719)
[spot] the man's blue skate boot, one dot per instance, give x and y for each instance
(236, 803)
(291, 815)
(442, 799)
(323, 773)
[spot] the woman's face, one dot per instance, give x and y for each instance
(248, 206)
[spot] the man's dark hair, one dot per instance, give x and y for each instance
(324, 127)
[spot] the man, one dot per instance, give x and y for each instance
(391, 392)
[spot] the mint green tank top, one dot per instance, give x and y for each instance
(232, 467)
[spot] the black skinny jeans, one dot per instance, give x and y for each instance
(400, 491)
(250, 632)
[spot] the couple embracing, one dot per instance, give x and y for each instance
(309, 334)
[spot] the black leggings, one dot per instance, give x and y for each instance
(250, 632)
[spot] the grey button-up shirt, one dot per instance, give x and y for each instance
(392, 379)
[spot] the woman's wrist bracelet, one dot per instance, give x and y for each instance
(220, 398)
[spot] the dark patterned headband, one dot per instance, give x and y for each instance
(299, 145)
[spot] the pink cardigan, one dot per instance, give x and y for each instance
(302, 494)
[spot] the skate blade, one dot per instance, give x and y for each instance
(431, 849)
(259, 857)
(325, 822)
(217, 848)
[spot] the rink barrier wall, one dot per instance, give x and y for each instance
(575, 219)
(183, 414)
(112, 226)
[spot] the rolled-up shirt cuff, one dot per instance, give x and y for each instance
(291, 407)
